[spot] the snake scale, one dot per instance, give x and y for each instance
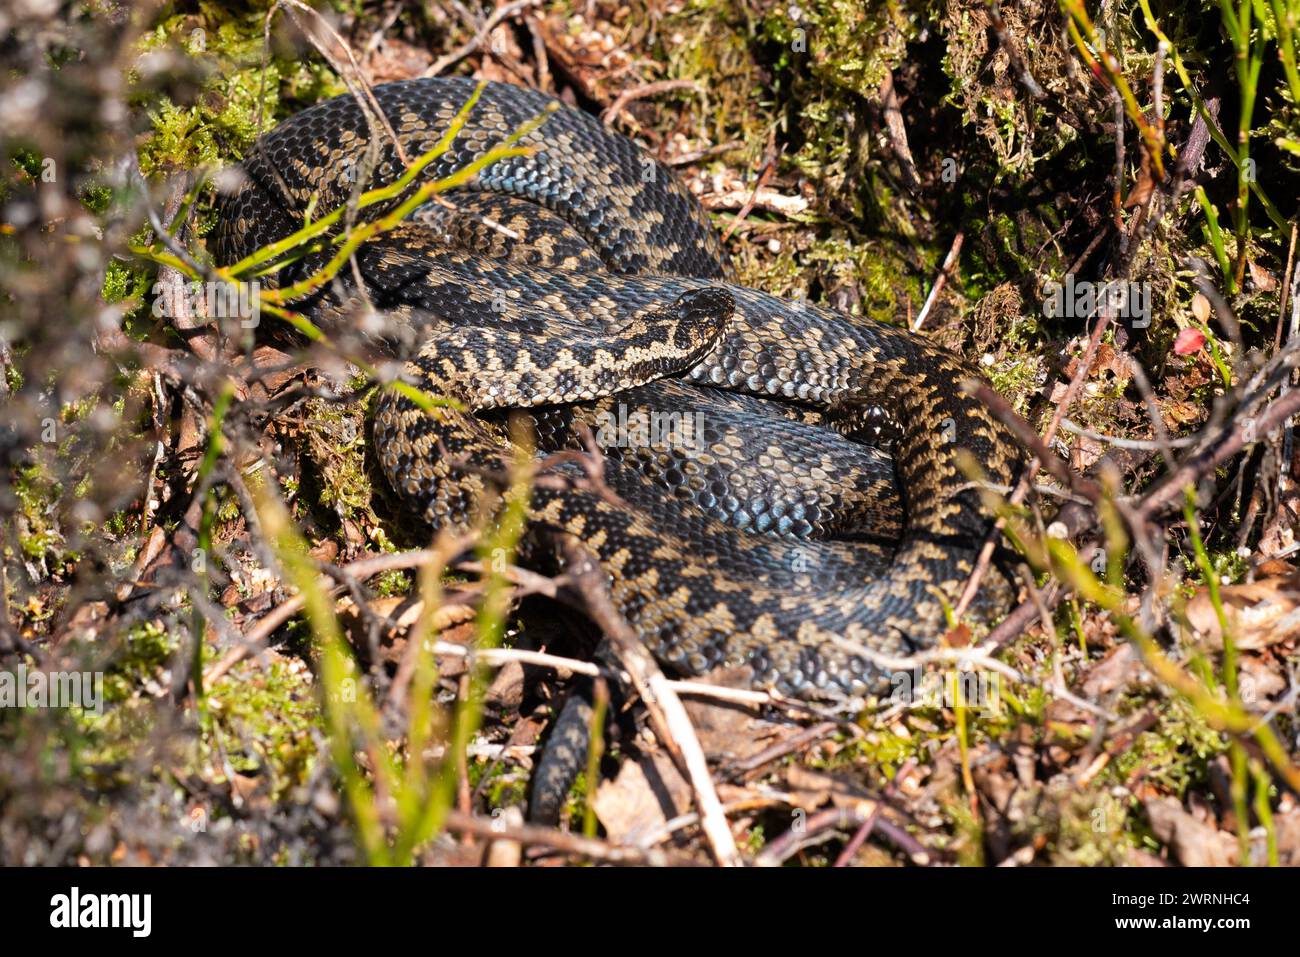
(818, 515)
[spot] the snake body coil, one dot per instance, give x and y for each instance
(771, 536)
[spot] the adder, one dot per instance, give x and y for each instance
(823, 517)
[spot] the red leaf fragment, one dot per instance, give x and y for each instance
(1189, 341)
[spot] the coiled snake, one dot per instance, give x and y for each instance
(764, 528)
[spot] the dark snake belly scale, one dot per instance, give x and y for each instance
(772, 538)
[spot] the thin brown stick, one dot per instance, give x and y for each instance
(861, 835)
(1045, 457)
(1169, 489)
(352, 79)
(265, 626)
(769, 166)
(820, 827)
(543, 70)
(858, 839)
(671, 723)
(787, 745)
(530, 834)
(1138, 445)
(949, 262)
(1287, 274)
(643, 91)
(897, 130)
(1014, 52)
(474, 42)
(694, 156)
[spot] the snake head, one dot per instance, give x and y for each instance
(701, 315)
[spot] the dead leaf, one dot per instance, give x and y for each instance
(813, 788)
(958, 637)
(1275, 567)
(395, 59)
(1141, 192)
(451, 623)
(1287, 826)
(1201, 308)
(647, 792)
(729, 732)
(1084, 452)
(1115, 361)
(507, 689)
(325, 551)
(1194, 843)
(1260, 613)
(1136, 858)
(1179, 412)
(1120, 668)
(1258, 682)
(1264, 280)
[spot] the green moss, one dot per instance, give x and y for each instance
(755, 840)
(102, 747)
(125, 282)
(146, 652)
(926, 728)
(506, 786)
(28, 163)
(1173, 754)
(889, 285)
(1077, 828)
(1230, 566)
(805, 74)
(710, 40)
(97, 198)
(887, 750)
(264, 716)
(39, 535)
(1020, 133)
(968, 829)
(336, 439)
(390, 583)
(1017, 379)
(223, 123)
(831, 33)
